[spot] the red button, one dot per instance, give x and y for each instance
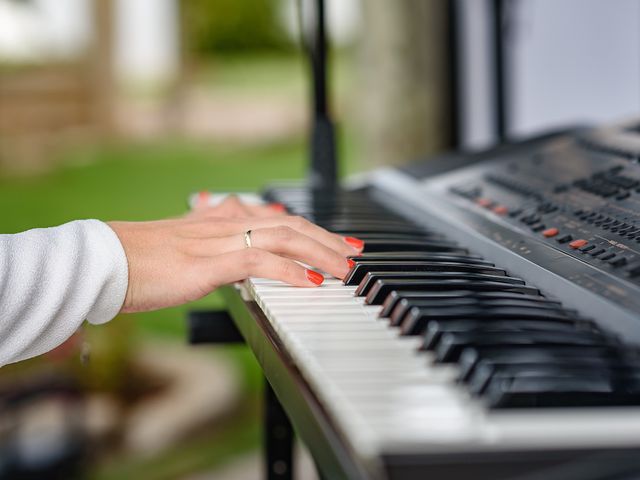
(578, 243)
(500, 210)
(484, 202)
(550, 232)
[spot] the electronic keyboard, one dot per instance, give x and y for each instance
(491, 327)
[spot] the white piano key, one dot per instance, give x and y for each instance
(276, 286)
(292, 320)
(328, 311)
(301, 302)
(346, 336)
(283, 290)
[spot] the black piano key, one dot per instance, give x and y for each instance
(364, 227)
(434, 329)
(358, 204)
(398, 231)
(416, 319)
(402, 307)
(471, 357)
(451, 345)
(377, 246)
(304, 196)
(382, 288)
(485, 372)
(346, 212)
(563, 391)
(396, 297)
(392, 236)
(356, 230)
(357, 273)
(391, 257)
(372, 277)
(344, 227)
(357, 217)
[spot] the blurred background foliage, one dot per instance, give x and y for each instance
(77, 142)
(231, 26)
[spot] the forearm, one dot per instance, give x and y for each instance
(52, 279)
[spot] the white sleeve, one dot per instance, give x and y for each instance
(52, 279)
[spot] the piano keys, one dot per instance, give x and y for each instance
(448, 327)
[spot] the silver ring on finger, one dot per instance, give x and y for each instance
(247, 239)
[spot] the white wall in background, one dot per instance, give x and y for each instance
(574, 61)
(146, 36)
(147, 48)
(44, 29)
(475, 74)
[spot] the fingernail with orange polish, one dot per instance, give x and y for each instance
(354, 242)
(278, 207)
(350, 263)
(203, 198)
(314, 277)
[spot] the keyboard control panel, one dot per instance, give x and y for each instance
(580, 194)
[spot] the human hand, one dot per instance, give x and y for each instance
(176, 261)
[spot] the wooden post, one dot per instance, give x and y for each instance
(102, 66)
(407, 106)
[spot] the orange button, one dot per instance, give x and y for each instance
(550, 232)
(484, 202)
(578, 243)
(500, 210)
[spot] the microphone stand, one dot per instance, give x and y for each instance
(323, 171)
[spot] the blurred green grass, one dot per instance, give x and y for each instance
(256, 73)
(140, 181)
(275, 74)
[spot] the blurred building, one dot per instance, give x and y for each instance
(144, 34)
(62, 61)
(43, 30)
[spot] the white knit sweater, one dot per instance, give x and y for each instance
(52, 279)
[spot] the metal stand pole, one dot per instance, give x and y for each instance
(499, 66)
(278, 438)
(323, 174)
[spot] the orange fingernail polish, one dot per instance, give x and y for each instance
(314, 277)
(203, 198)
(278, 207)
(350, 263)
(354, 242)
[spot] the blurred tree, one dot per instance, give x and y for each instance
(233, 26)
(406, 103)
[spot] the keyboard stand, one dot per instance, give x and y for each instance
(217, 327)
(278, 438)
